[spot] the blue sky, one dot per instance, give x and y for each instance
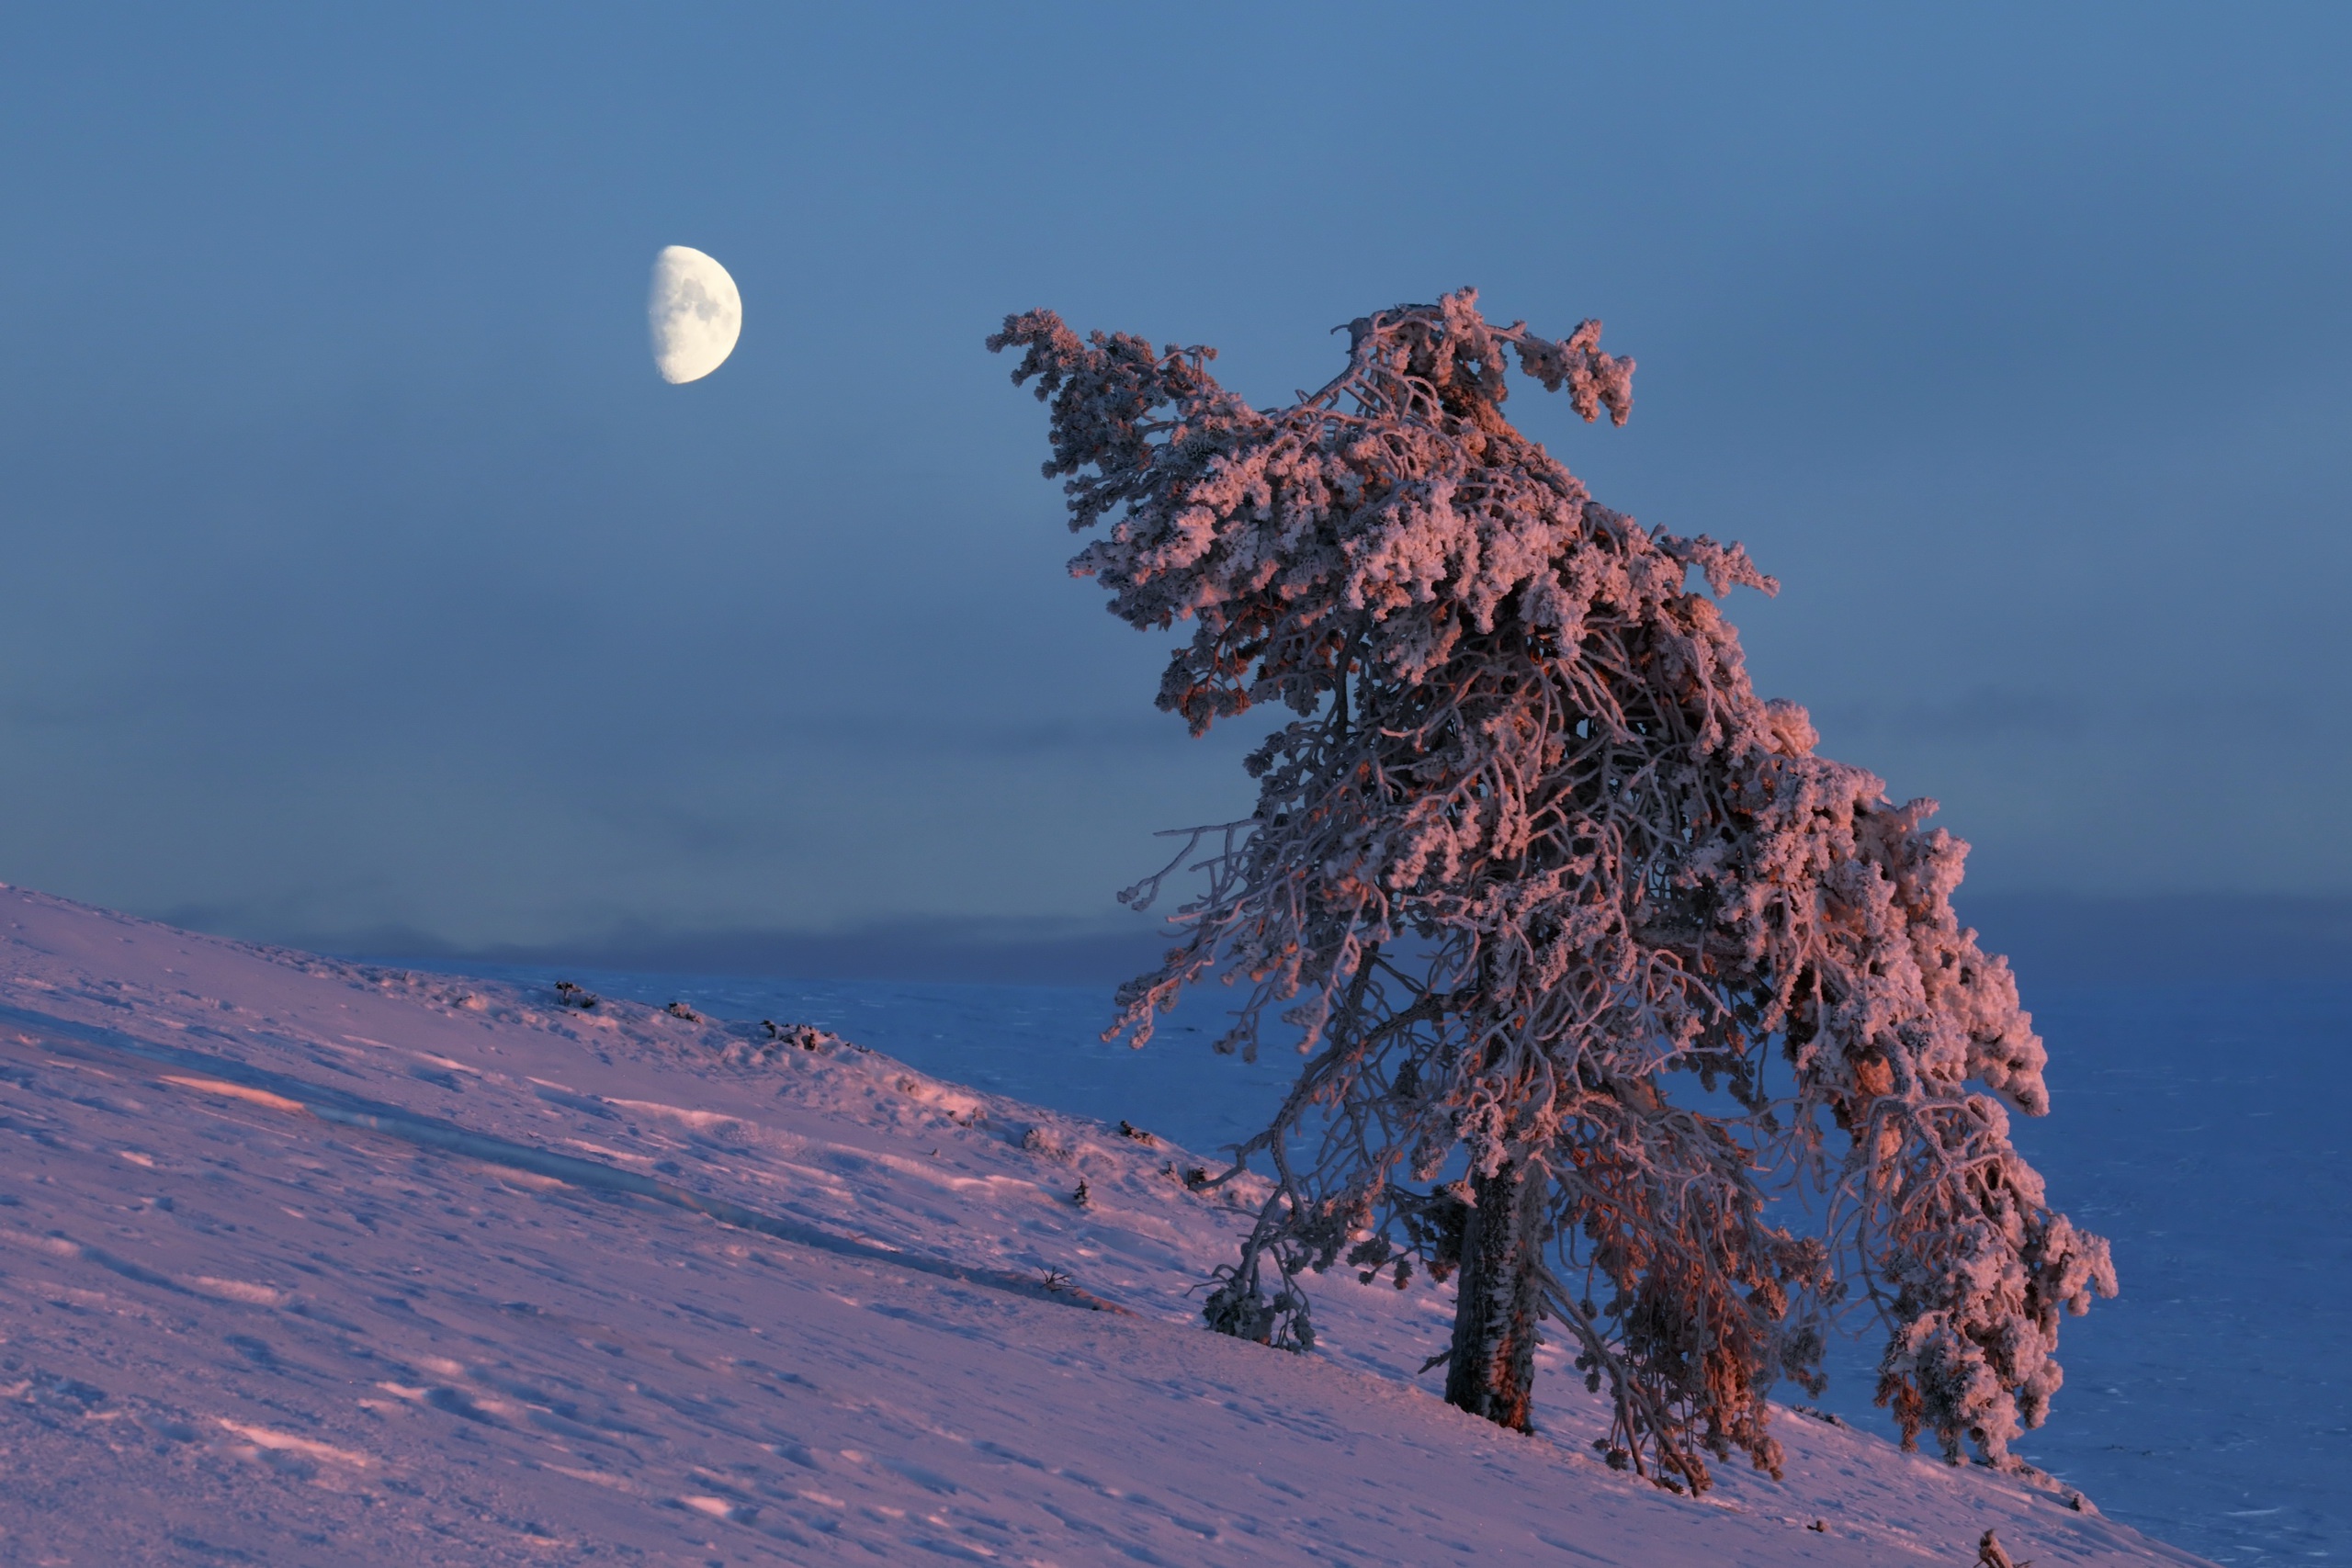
(365, 584)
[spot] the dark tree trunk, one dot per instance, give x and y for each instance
(1492, 1371)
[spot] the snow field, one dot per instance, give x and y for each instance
(310, 1262)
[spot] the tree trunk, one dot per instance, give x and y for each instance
(1492, 1369)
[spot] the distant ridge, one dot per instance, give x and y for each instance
(2059, 938)
(2052, 939)
(963, 952)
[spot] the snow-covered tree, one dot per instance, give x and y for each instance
(1591, 958)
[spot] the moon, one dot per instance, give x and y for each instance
(694, 313)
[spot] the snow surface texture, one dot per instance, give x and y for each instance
(304, 1261)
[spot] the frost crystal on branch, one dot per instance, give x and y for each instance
(1533, 863)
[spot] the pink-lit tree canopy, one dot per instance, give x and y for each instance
(1597, 967)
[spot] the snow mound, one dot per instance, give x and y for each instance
(303, 1261)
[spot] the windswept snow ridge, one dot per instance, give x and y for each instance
(311, 1262)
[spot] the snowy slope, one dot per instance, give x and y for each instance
(2200, 1128)
(308, 1262)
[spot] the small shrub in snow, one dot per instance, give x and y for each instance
(801, 1036)
(777, 1041)
(1531, 863)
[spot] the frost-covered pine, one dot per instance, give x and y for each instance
(1531, 866)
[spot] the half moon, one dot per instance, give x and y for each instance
(695, 312)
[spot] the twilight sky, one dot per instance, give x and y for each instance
(365, 585)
